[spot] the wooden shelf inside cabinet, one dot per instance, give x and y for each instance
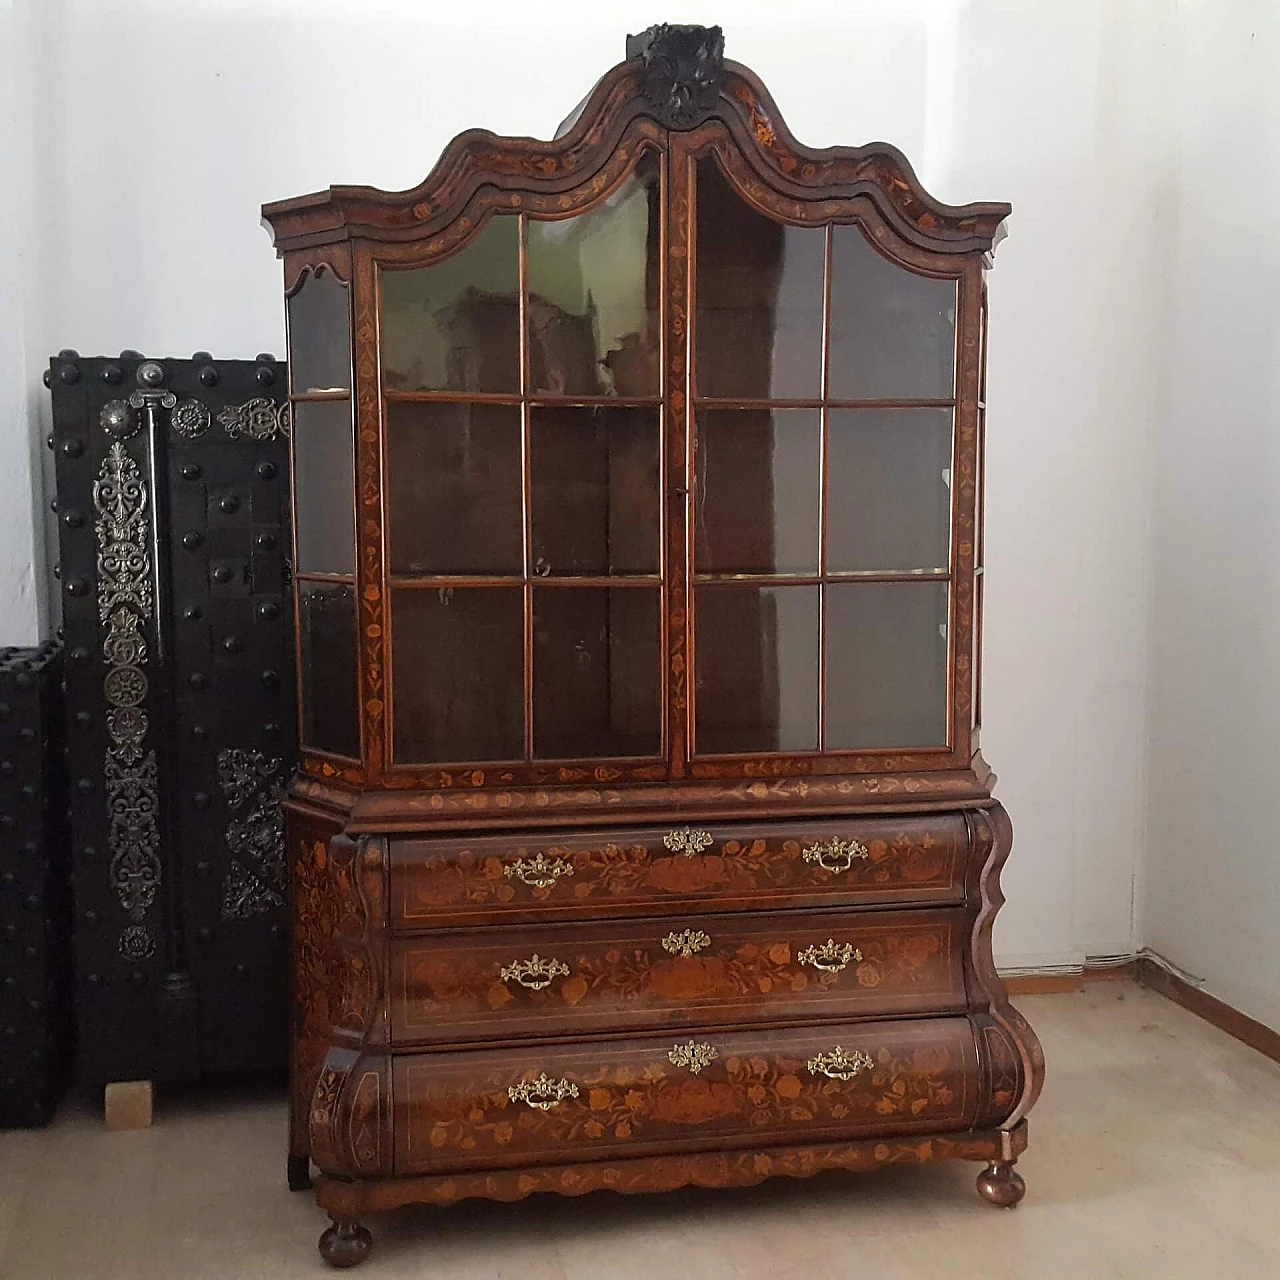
(637, 532)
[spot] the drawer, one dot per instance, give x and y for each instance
(463, 985)
(657, 870)
(609, 1099)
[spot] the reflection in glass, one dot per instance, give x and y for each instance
(757, 668)
(457, 674)
(597, 672)
(327, 649)
(594, 490)
(889, 496)
(758, 293)
(593, 295)
(324, 486)
(320, 335)
(892, 331)
(886, 665)
(758, 490)
(456, 325)
(454, 488)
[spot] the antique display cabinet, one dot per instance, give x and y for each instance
(641, 836)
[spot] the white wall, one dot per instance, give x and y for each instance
(1212, 902)
(161, 124)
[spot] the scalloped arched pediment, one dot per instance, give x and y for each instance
(675, 79)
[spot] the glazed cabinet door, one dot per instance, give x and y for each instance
(522, 422)
(821, 422)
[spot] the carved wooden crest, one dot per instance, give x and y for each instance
(683, 71)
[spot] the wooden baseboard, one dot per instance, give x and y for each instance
(1244, 1028)
(1039, 984)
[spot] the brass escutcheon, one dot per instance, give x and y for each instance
(687, 840)
(835, 855)
(534, 973)
(542, 1094)
(687, 942)
(831, 956)
(693, 1055)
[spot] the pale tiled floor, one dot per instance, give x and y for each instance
(1155, 1154)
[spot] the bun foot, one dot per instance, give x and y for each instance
(299, 1173)
(345, 1244)
(1001, 1184)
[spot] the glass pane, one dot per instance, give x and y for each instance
(758, 490)
(759, 298)
(458, 674)
(886, 665)
(757, 668)
(456, 325)
(324, 486)
(593, 295)
(320, 336)
(889, 500)
(454, 487)
(595, 490)
(597, 672)
(892, 331)
(329, 675)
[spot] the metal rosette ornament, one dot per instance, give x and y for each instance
(125, 605)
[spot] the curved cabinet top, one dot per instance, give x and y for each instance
(676, 79)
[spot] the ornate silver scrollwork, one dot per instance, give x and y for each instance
(256, 879)
(256, 419)
(190, 419)
(124, 564)
(125, 601)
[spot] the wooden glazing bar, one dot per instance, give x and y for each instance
(817, 579)
(716, 402)
(526, 488)
(428, 581)
(824, 440)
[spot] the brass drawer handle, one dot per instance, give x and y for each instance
(687, 840)
(839, 1064)
(688, 942)
(835, 855)
(694, 1055)
(540, 872)
(831, 956)
(534, 973)
(542, 1094)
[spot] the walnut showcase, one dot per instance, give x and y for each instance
(641, 837)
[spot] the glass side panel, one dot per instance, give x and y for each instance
(454, 492)
(320, 336)
(324, 486)
(456, 325)
(892, 331)
(886, 665)
(595, 494)
(457, 674)
(327, 648)
(757, 668)
(597, 672)
(593, 295)
(889, 494)
(759, 490)
(758, 296)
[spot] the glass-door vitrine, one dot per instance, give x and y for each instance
(523, 424)
(824, 395)
(658, 469)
